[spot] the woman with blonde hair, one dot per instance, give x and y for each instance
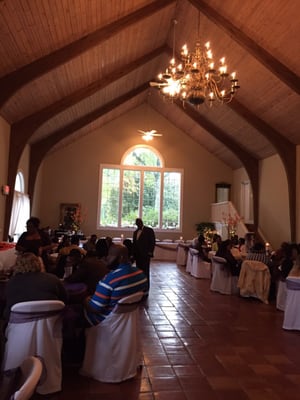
(29, 283)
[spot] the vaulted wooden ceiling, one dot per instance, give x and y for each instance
(67, 67)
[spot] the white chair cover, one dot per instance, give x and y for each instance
(31, 370)
(182, 252)
(189, 261)
(281, 295)
(40, 336)
(222, 280)
(254, 280)
(200, 268)
(291, 319)
(113, 350)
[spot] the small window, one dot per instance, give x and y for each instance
(19, 184)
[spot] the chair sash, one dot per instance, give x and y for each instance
(292, 285)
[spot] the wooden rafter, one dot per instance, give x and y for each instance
(12, 82)
(249, 161)
(264, 57)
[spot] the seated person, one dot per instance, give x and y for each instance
(216, 240)
(200, 245)
(90, 245)
(123, 279)
(241, 245)
(288, 261)
(224, 251)
(89, 270)
(75, 240)
(28, 283)
(295, 271)
(258, 253)
(65, 242)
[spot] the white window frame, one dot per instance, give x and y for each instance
(162, 170)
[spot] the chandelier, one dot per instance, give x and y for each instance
(197, 79)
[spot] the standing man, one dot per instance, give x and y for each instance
(143, 247)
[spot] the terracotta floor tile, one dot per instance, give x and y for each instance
(198, 344)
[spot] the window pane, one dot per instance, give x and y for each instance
(19, 184)
(130, 197)
(171, 200)
(151, 198)
(110, 197)
(142, 156)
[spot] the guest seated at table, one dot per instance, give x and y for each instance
(88, 270)
(123, 279)
(287, 263)
(90, 245)
(28, 283)
(258, 253)
(75, 240)
(201, 247)
(216, 240)
(65, 242)
(224, 251)
(241, 245)
(35, 240)
(249, 241)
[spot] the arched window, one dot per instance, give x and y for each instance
(140, 187)
(20, 208)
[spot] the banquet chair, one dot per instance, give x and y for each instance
(189, 262)
(113, 350)
(181, 257)
(222, 281)
(254, 280)
(291, 320)
(35, 328)
(281, 295)
(200, 268)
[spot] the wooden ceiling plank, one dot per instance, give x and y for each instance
(10, 83)
(41, 148)
(264, 57)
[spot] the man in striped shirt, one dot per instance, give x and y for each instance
(123, 280)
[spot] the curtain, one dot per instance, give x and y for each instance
(20, 213)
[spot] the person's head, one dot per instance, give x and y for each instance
(75, 239)
(109, 241)
(93, 238)
(27, 262)
(225, 246)
(241, 241)
(201, 240)
(258, 247)
(117, 254)
(139, 223)
(128, 244)
(101, 248)
(32, 224)
(74, 257)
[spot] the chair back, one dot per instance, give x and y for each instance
(222, 280)
(254, 280)
(31, 372)
(35, 328)
(113, 350)
(291, 319)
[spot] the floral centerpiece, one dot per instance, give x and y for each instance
(231, 222)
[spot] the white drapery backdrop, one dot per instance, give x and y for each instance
(20, 213)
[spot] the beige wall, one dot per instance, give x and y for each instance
(273, 202)
(71, 174)
(4, 148)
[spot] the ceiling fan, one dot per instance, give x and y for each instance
(148, 135)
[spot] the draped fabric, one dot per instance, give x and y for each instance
(292, 305)
(20, 213)
(254, 280)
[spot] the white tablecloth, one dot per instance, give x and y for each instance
(165, 251)
(7, 258)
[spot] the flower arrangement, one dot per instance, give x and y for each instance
(231, 221)
(74, 217)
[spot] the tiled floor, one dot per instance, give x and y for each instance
(202, 345)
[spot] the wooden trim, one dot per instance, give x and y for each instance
(12, 82)
(271, 63)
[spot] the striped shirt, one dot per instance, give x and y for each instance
(121, 282)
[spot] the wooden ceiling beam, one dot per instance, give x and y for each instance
(264, 57)
(41, 148)
(250, 163)
(285, 149)
(12, 82)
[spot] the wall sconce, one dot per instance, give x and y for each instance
(5, 190)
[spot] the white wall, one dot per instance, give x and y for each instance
(71, 175)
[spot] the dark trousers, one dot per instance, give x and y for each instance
(143, 262)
